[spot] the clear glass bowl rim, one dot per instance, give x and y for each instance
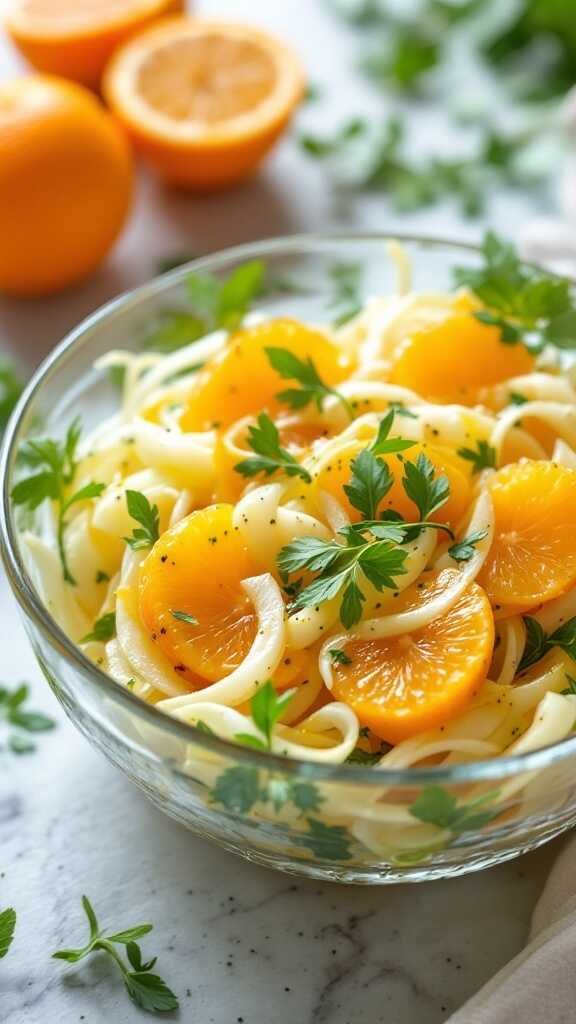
(306, 244)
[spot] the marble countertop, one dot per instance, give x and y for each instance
(239, 944)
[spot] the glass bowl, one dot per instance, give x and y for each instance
(347, 823)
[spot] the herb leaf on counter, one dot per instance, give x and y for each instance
(7, 928)
(148, 516)
(14, 712)
(104, 630)
(312, 388)
(147, 990)
(270, 457)
(56, 462)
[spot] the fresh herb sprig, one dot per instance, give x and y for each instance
(266, 708)
(270, 457)
(56, 463)
(14, 712)
(345, 301)
(148, 516)
(147, 990)
(7, 929)
(312, 388)
(465, 549)
(538, 642)
(370, 548)
(528, 305)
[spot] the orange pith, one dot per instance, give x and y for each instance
(337, 472)
(204, 100)
(452, 360)
(197, 567)
(241, 381)
(403, 685)
(76, 38)
(533, 556)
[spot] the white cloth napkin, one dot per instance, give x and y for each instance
(539, 985)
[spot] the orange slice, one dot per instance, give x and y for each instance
(533, 556)
(403, 685)
(76, 38)
(337, 472)
(241, 381)
(450, 361)
(196, 568)
(204, 100)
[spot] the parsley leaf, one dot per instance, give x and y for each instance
(346, 300)
(104, 630)
(464, 549)
(225, 304)
(423, 487)
(526, 303)
(481, 457)
(385, 445)
(312, 387)
(184, 617)
(404, 59)
(515, 398)
(7, 928)
(15, 714)
(175, 330)
(10, 391)
(339, 567)
(147, 990)
(339, 657)
(264, 439)
(538, 642)
(326, 842)
(436, 806)
(370, 482)
(366, 757)
(56, 462)
(148, 516)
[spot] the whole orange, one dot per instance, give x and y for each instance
(66, 179)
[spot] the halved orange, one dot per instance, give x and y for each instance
(196, 569)
(336, 473)
(241, 380)
(76, 38)
(533, 555)
(450, 361)
(204, 101)
(403, 685)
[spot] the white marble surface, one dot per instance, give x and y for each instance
(240, 945)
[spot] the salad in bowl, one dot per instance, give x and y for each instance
(311, 550)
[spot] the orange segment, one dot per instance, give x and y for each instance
(533, 555)
(204, 100)
(196, 568)
(337, 472)
(76, 38)
(403, 685)
(450, 361)
(241, 381)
